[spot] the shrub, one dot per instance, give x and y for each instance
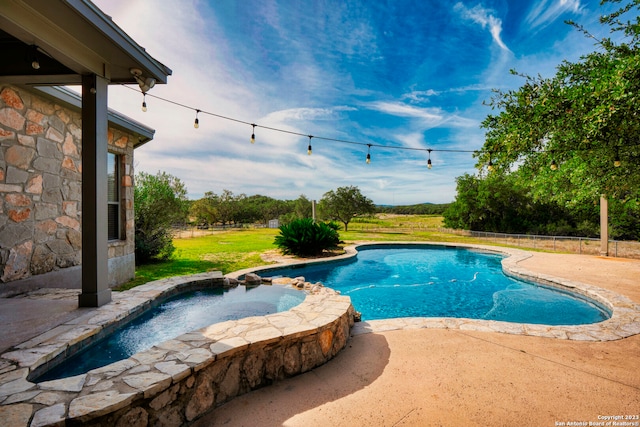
(304, 237)
(159, 202)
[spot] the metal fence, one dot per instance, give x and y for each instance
(579, 245)
(189, 232)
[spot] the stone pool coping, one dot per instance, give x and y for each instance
(175, 381)
(624, 321)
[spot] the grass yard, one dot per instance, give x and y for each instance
(226, 251)
(233, 250)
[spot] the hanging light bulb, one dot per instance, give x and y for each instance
(253, 134)
(616, 160)
(144, 102)
(35, 63)
(309, 147)
(490, 164)
(368, 153)
(554, 165)
(196, 123)
(429, 161)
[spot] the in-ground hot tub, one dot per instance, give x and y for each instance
(178, 380)
(182, 313)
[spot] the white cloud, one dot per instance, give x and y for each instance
(431, 115)
(547, 11)
(419, 95)
(307, 114)
(485, 18)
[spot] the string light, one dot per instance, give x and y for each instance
(253, 133)
(196, 123)
(35, 63)
(490, 165)
(554, 165)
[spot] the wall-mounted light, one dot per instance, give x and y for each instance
(144, 83)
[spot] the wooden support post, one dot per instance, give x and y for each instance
(604, 225)
(95, 284)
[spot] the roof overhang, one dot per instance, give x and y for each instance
(73, 38)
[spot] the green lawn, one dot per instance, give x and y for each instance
(226, 251)
(234, 250)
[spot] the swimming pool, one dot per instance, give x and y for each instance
(391, 281)
(179, 314)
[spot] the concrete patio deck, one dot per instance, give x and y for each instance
(432, 377)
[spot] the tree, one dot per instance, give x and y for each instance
(297, 209)
(264, 208)
(204, 210)
(582, 122)
(343, 204)
(502, 203)
(159, 201)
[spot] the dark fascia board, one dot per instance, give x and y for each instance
(105, 24)
(73, 100)
(80, 36)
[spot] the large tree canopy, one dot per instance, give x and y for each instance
(344, 203)
(584, 120)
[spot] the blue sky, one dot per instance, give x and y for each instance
(397, 73)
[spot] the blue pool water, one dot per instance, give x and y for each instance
(432, 281)
(180, 314)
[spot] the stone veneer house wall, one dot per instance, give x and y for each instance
(41, 189)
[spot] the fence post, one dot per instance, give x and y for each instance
(554, 243)
(580, 245)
